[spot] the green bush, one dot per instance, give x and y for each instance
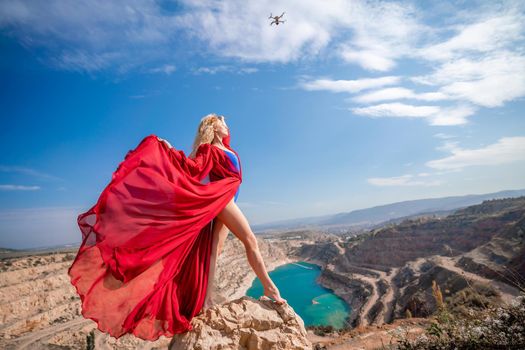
(490, 328)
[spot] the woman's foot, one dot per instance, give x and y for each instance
(273, 293)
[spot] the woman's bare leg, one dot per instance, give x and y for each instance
(235, 220)
(223, 233)
(219, 232)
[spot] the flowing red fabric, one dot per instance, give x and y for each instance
(142, 267)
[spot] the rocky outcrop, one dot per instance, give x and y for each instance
(503, 257)
(245, 323)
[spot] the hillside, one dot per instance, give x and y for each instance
(474, 255)
(368, 217)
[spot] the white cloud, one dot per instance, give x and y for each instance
(92, 35)
(397, 110)
(348, 85)
(382, 33)
(395, 93)
(18, 188)
(489, 81)
(166, 69)
(434, 114)
(248, 70)
(481, 64)
(484, 36)
(27, 171)
(403, 180)
(240, 29)
(456, 115)
(371, 34)
(372, 60)
(505, 150)
(443, 135)
(448, 146)
(225, 68)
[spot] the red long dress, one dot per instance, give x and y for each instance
(143, 263)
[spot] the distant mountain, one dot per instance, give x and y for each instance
(12, 253)
(368, 217)
(7, 250)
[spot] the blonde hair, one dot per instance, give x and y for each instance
(206, 131)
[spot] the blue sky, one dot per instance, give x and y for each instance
(346, 105)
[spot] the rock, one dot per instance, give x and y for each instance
(245, 323)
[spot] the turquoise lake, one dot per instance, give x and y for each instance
(315, 304)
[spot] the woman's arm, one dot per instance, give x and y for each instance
(197, 167)
(201, 165)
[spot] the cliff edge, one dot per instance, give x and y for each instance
(245, 323)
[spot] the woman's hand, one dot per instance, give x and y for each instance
(166, 142)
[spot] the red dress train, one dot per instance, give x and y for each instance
(142, 267)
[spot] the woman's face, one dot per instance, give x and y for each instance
(222, 129)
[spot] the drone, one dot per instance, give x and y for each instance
(276, 19)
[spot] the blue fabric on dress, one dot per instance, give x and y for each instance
(235, 162)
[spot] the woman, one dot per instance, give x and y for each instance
(150, 243)
(219, 135)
